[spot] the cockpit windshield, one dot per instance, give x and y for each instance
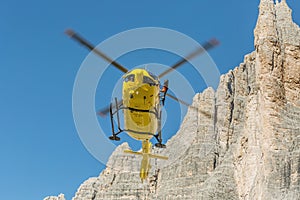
(153, 76)
(129, 78)
(148, 80)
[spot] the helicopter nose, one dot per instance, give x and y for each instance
(145, 87)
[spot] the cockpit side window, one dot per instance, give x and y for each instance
(153, 76)
(148, 80)
(129, 78)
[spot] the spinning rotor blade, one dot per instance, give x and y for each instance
(178, 100)
(104, 111)
(208, 45)
(188, 105)
(92, 48)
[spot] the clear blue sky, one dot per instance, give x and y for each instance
(41, 153)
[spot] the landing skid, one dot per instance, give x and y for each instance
(114, 137)
(160, 145)
(158, 135)
(115, 133)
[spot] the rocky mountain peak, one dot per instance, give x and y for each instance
(243, 142)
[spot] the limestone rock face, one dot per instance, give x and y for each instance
(243, 142)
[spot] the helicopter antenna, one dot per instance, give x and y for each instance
(92, 48)
(208, 45)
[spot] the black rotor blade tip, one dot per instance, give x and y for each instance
(214, 42)
(102, 114)
(70, 32)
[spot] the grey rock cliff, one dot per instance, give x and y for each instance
(245, 142)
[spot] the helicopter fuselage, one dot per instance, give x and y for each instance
(141, 99)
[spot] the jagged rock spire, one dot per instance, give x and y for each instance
(277, 36)
(275, 21)
(265, 27)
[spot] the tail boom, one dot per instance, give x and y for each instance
(146, 154)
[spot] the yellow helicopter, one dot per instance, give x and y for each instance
(142, 99)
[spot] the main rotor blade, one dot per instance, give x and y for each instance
(208, 45)
(178, 100)
(92, 48)
(188, 105)
(104, 111)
